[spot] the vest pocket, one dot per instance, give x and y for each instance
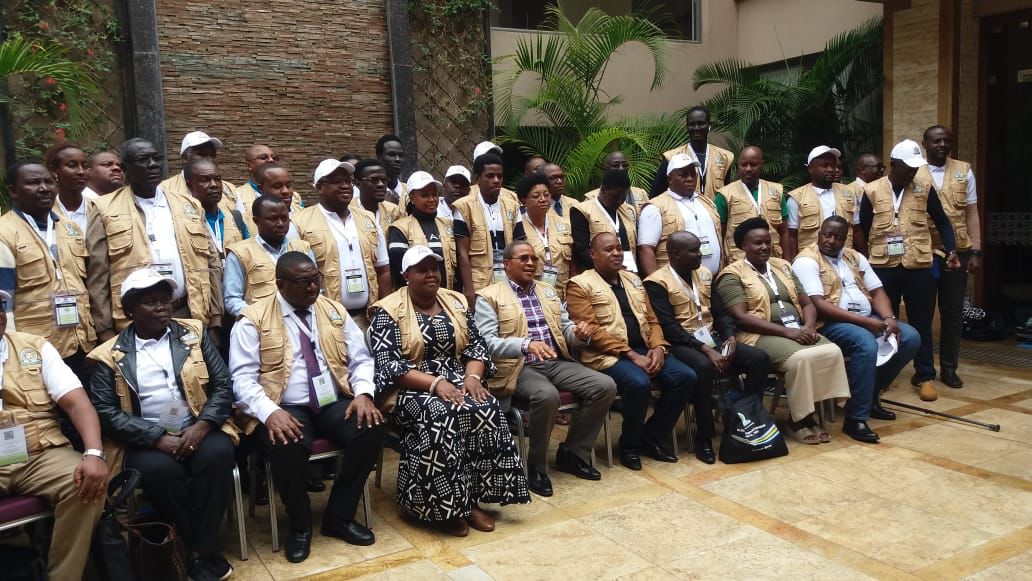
(809, 215)
(199, 240)
(261, 279)
(120, 237)
(31, 264)
(478, 244)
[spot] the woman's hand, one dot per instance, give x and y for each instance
(168, 444)
(802, 336)
(449, 393)
(475, 389)
(191, 439)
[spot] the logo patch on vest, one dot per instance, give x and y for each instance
(189, 209)
(549, 293)
(960, 176)
(73, 230)
(29, 356)
(457, 304)
(334, 315)
(787, 269)
(370, 226)
(190, 337)
(562, 227)
(705, 276)
(636, 283)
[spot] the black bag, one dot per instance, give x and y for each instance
(22, 564)
(157, 552)
(749, 433)
(109, 549)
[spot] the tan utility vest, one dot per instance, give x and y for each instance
(503, 193)
(481, 251)
(560, 247)
(231, 233)
(413, 232)
(129, 249)
(718, 162)
(275, 354)
(512, 322)
(607, 312)
(741, 206)
(37, 281)
(176, 184)
(599, 222)
(953, 197)
(913, 225)
(403, 199)
(246, 194)
(25, 395)
(640, 196)
(389, 213)
(315, 230)
(673, 221)
(830, 278)
(846, 204)
(259, 268)
(685, 310)
(757, 297)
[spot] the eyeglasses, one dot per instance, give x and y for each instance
(264, 157)
(527, 258)
(307, 281)
(145, 159)
(374, 180)
(557, 178)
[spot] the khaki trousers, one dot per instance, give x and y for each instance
(49, 474)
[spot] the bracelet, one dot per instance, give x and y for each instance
(976, 252)
(477, 377)
(433, 384)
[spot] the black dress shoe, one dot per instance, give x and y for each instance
(630, 459)
(566, 461)
(352, 533)
(538, 482)
(859, 431)
(656, 452)
(315, 485)
(880, 413)
(299, 545)
(951, 379)
(704, 450)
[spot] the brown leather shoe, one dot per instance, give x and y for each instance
(480, 520)
(926, 391)
(456, 527)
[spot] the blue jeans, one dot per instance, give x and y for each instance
(675, 381)
(865, 379)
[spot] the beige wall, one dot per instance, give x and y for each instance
(773, 30)
(968, 114)
(915, 71)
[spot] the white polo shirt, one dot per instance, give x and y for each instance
(809, 274)
(697, 220)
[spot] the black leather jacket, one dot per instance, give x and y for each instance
(132, 429)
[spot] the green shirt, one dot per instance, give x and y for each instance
(721, 203)
(732, 293)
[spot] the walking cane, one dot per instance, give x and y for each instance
(992, 427)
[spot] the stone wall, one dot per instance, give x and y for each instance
(915, 79)
(968, 114)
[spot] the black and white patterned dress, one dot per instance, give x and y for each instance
(451, 458)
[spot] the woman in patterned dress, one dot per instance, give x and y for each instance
(456, 449)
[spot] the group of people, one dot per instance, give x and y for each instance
(165, 324)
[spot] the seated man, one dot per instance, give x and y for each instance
(530, 335)
(856, 311)
(627, 344)
(301, 369)
(44, 463)
(694, 322)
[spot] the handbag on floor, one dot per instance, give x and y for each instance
(157, 552)
(109, 551)
(749, 432)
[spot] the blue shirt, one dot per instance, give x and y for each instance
(234, 279)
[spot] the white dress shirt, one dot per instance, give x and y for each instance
(77, 215)
(58, 378)
(939, 172)
(809, 274)
(444, 210)
(697, 220)
(159, 224)
(826, 198)
(244, 364)
(349, 250)
(155, 377)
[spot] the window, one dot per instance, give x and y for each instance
(676, 16)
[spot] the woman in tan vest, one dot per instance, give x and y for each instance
(422, 225)
(773, 313)
(456, 449)
(547, 232)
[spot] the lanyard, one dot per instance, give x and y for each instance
(218, 233)
(702, 166)
(49, 239)
(303, 326)
(494, 218)
(768, 278)
(147, 207)
(169, 383)
(3, 361)
(614, 221)
(543, 234)
(897, 201)
(759, 195)
(340, 228)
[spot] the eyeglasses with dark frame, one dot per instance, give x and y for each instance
(307, 281)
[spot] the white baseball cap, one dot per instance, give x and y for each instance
(195, 138)
(484, 147)
(417, 254)
(328, 166)
(4, 295)
(143, 279)
(887, 347)
(909, 152)
(822, 150)
(681, 160)
(420, 180)
(458, 170)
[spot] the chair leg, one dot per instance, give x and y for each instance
(379, 468)
(367, 505)
(238, 497)
(609, 441)
(272, 507)
(521, 438)
(252, 477)
(689, 415)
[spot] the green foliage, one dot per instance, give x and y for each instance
(836, 101)
(567, 119)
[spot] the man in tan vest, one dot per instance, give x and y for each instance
(485, 147)
(301, 370)
(531, 338)
(751, 197)
(197, 145)
(627, 344)
(809, 205)
(141, 225)
(225, 224)
(714, 162)
(255, 157)
(606, 212)
(103, 174)
(43, 267)
(616, 160)
(955, 183)
(457, 181)
(391, 153)
(894, 215)
(39, 460)
(371, 178)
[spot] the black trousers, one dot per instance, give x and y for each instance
(952, 288)
(917, 288)
(752, 362)
(191, 495)
(290, 462)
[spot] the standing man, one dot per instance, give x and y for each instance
(43, 268)
(808, 206)
(485, 222)
(488, 147)
(714, 162)
(955, 183)
(67, 163)
(196, 144)
(869, 168)
(141, 225)
(606, 212)
(255, 157)
(680, 208)
(530, 335)
(103, 174)
(894, 214)
(616, 160)
(301, 369)
(391, 153)
(456, 186)
(856, 311)
(561, 203)
(225, 223)
(372, 193)
(349, 247)
(751, 197)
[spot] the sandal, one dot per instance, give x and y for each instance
(805, 435)
(822, 436)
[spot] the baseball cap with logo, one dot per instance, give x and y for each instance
(420, 180)
(909, 152)
(458, 170)
(484, 147)
(143, 279)
(822, 150)
(195, 138)
(681, 160)
(417, 254)
(328, 166)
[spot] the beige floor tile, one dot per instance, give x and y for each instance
(468, 573)
(946, 440)
(786, 493)
(1019, 567)
(985, 383)
(567, 550)
(570, 490)
(868, 468)
(907, 394)
(1024, 404)
(251, 569)
(422, 569)
(1013, 425)
(1017, 464)
(894, 533)
(655, 528)
(650, 574)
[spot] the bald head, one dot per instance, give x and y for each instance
(601, 240)
(750, 165)
(616, 160)
(682, 240)
(256, 156)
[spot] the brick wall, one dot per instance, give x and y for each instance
(309, 77)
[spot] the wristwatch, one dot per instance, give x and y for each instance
(94, 452)
(976, 252)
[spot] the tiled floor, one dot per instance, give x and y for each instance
(934, 500)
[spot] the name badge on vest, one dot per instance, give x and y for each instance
(550, 274)
(66, 310)
(628, 262)
(498, 270)
(705, 248)
(163, 268)
(13, 449)
(853, 307)
(895, 244)
(353, 280)
(173, 415)
(790, 321)
(704, 336)
(325, 394)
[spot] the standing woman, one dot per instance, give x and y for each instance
(548, 233)
(163, 393)
(423, 226)
(456, 449)
(773, 313)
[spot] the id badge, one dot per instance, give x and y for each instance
(628, 262)
(173, 414)
(325, 394)
(705, 248)
(498, 270)
(703, 335)
(353, 280)
(790, 321)
(895, 244)
(12, 446)
(66, 310)
(853, 307)
(163, 268)
(550, 274)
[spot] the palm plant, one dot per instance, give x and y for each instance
(835, 101)
(567, 119)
